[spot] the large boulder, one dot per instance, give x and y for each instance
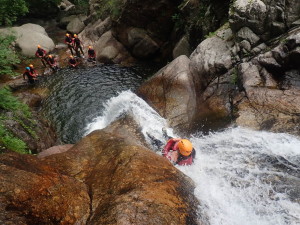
(33, 193)
(264, 17)
(271, 82)
(127, 182)
(140, 44)
(76, 25)
(93, 31)
(109, 50)
(172, 92)
(29, 36)
(182, 48)
(214, 56)
(103, 179)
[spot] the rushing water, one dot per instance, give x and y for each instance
(242, 177)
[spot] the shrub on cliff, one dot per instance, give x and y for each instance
(12, 106)
(7, 56)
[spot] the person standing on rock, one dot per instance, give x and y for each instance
(30, 76)
(69, 42)
(41, 53)
(91, 54)
(72, 62)
(179, 151)
(32, 70)
(77, 45)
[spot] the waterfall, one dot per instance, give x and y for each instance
(242, 176)
(129, 103)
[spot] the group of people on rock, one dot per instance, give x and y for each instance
(75, 46)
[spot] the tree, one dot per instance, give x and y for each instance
(10, 10)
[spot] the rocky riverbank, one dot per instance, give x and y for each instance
(245, 72)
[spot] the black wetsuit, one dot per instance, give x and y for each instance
(77, 44)
(92, 54)
(29, 76)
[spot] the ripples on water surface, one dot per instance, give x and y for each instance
(77, 96)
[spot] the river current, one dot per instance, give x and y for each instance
(242, 177)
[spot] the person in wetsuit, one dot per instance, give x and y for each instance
(41, 53)
(69, 42)
(91, 54)
(31, 77)
(52, 62)
(72, 62)
(32, 70)
(179, 151)
(77, 45)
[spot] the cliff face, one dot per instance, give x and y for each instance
(245, 72)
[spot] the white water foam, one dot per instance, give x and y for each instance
(237, 182)
(129, 103)
(242, 177)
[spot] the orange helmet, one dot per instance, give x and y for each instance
(185, 147)
(50, 56)
(31, 65)
(75, 35)
(67, 34)
(71, 56)
(90, 47)
(38, 46)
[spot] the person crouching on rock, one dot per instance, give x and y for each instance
(91, 54)
(41, 53)
(72, 62)
(33, 71)
(52, 62)
(179, 151)
(31, 77)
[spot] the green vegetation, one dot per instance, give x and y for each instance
(20, 111)
(178, 21)
(83, 5)
(211, 34)
(8, 141)
(110, 7)
(10, 10)
(7, 56)
(234, 76)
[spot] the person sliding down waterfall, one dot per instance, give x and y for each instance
(179, 151)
